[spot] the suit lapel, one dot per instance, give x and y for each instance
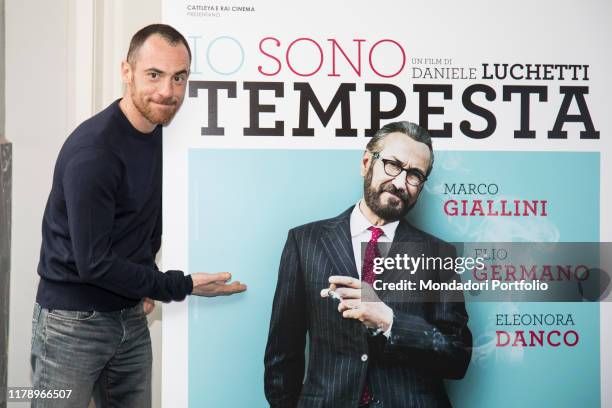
(404, 235)
(336, 239)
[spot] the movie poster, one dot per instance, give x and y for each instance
(281, 102)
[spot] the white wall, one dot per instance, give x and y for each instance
(62, 65)
(36, 123)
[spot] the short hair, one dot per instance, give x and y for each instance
(168, 33)
(412, 130)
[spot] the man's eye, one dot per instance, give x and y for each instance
(416, 175)
(394, 166)
(179, 78)
(153, 75)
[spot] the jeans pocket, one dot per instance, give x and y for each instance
(35, 317)
(36, 313)
(74, 315)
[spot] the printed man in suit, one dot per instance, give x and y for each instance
(383, 353)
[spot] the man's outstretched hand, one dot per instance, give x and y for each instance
(215, 284)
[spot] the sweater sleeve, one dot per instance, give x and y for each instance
(91, 180)
(156, 235)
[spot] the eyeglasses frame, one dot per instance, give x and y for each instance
(423, 177)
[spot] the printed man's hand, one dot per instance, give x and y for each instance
(373, 314)
(215, 284)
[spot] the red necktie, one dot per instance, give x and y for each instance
(371, 252)
(367, 275)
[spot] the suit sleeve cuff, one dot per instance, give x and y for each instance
(387, 333)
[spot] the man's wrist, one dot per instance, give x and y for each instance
(188, 284)
(384, 328)
(387, 332)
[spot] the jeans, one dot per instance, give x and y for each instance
(80, 351)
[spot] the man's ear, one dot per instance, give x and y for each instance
(365, 163)
(126, 72)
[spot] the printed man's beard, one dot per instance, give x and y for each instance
(391, 211)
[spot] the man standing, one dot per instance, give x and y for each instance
(101, 230)
(374, 353)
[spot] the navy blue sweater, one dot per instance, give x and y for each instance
(103, 220)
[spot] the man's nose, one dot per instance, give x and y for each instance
(399, 181)
(165, 88)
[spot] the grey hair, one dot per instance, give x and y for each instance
(412, 130)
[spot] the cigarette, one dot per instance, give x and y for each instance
(334, 295)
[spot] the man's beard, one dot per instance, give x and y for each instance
(387, 211)
(153, 116)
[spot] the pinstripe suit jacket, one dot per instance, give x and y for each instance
(429, 341)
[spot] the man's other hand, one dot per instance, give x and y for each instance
(373, 314)
(148, 305)
(215, 284)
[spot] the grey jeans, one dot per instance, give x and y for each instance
(82, 351)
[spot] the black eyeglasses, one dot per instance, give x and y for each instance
(394, 168)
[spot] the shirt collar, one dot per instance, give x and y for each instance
(360, 224)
